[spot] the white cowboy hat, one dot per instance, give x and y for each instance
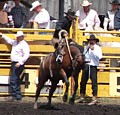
(86, 3)
(19, 33)
(35, 4)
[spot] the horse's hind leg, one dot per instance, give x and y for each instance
(52, 89)
(72, 99)
(65, 96)
(63, 74)
(39, 87)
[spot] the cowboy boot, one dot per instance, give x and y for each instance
(94, 101)
(81, 99)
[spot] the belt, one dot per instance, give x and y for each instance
(14, 62)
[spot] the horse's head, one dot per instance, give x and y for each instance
(76, 50)
(60, 46)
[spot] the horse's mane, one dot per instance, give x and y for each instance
(71, 42)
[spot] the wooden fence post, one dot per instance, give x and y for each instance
(35, 26)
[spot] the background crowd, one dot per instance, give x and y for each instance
(18, 17)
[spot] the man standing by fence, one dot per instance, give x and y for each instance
(19, 14)
(109, 18)
(19, 55)
(87, 17)
(41, 16)
(93, 54)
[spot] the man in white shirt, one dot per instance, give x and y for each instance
(93, 54)
(87, 17)
(41, 16)
(19, 55)
(109, 18)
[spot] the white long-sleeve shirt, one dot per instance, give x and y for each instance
(90, 19)
(93, 55)
(20, 51)
(42, 18)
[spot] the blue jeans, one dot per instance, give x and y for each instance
(15, 81)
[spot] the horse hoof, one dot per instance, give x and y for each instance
(34, 107)
(71, 101)
(49, 106)
(65, 98)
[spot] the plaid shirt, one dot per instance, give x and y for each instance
(20, 16)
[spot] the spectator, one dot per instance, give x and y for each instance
(20, 16)
(109, 17)
(93, 54)
(41, 16)
(87, 17)
(117, 20)
(3, 16)
(7, 9)
(19, 54)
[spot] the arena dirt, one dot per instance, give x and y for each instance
(106, 106)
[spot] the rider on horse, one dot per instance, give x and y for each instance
(63, 24)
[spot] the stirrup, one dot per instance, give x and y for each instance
(59, 58)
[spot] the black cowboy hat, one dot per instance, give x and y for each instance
(116, 2)
(70, 13)
(92, 37)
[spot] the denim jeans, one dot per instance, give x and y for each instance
(15, 81)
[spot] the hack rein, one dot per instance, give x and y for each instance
(60, 38)
(73, 60)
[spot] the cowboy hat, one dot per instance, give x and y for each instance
(92, 37)
(116, 2)
(35, 4)
(86, 3)
(70, 13)
(19, 33)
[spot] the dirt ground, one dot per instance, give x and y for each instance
(106, 106)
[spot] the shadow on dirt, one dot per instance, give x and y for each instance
(46, 107)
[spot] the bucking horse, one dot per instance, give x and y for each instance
(53, 69)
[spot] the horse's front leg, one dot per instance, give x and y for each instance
(72, 99)
(52, 89)
(63, 74)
